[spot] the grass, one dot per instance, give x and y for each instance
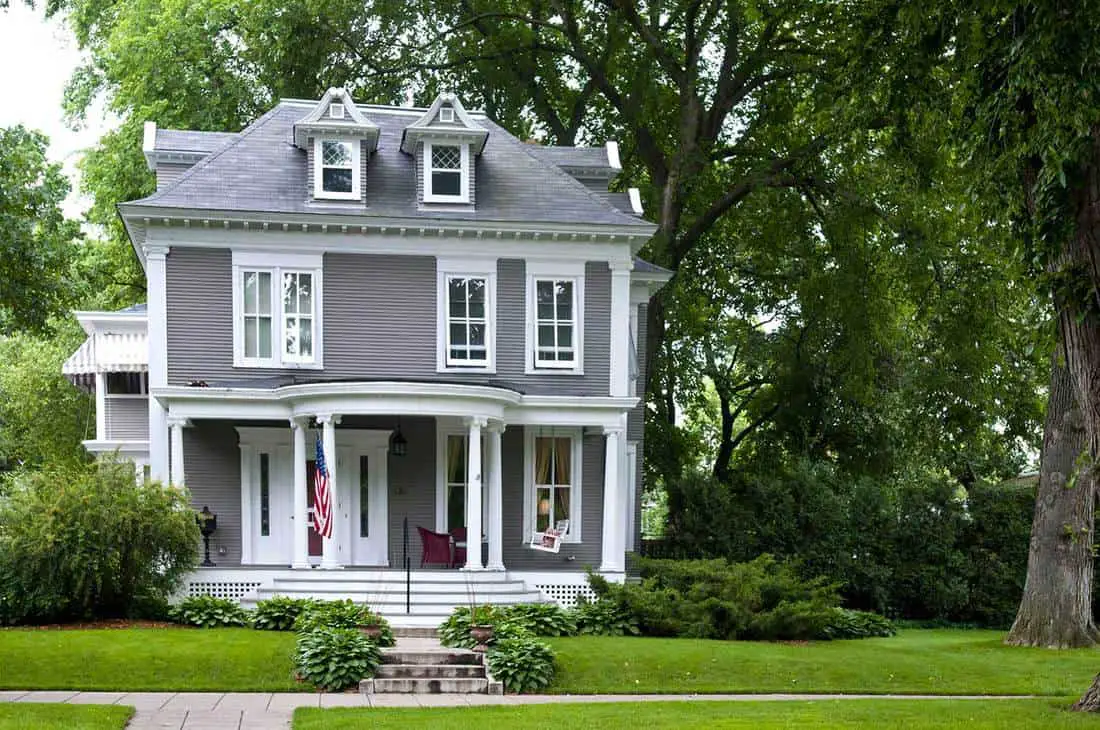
(1043, 714)
(914, 662)
(31, 716)
(137, 660)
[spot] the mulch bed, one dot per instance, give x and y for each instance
(107, 623)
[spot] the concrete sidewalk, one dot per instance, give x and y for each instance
(256, 710)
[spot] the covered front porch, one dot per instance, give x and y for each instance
(459, 460)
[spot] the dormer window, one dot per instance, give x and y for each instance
(337, 169)
(446, 173)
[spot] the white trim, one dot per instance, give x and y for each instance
(635, 200)
(278, 264)
(463, 175)
(619, 355)
(631, 495)
(100, 406)
(318, 170)
(573, 271)
(336, 110)
(149, 144)
(157, 328)
(577, 477)
(444, 429)
(446, 114)
(450, 268)
(612, 148)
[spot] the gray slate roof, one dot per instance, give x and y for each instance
(593, 158)
(262, 171)
(185, 140)
(644, 267)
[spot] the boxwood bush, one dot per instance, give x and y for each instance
(209, 612)
(335, 659)
(278, 613)
(87, 541)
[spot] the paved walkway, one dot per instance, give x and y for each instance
(261, 710)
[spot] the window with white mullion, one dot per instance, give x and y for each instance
(555, 323)
(467, 321)
(553, 482)
(257, 314)
(298, 318)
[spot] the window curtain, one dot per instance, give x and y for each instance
(563, 453)
(456, 459)
(543, 451)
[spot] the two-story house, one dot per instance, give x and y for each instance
(454, 316)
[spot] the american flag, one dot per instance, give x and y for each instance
(322, 496)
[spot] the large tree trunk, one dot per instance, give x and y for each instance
(1056, 609)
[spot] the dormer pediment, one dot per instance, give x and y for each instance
(336, 115)
(445, 121)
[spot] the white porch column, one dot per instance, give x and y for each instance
(301, 500)
(619, 356)
(176, 426)
(156, 285)
(329, 557)
(614, 516)
(495, 528)
(101, 406)
(473, 493)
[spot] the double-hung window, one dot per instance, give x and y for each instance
(455, 448)
(277, 310)
(467, 307)
(555, 320)
(446, 173)
(336, 169)
(553, 480)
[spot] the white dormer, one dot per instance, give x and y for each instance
(445, 141)
(336, 136)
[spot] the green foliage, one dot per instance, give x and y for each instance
(209, 612)
(36, 242)
(335, 659)
(344, 614)
(386, 637)
(523, 664)
(843, 623)
(278, 613)
(604, 618)
(43, 418)
(455, 630)
(87, 540)
(543, 619)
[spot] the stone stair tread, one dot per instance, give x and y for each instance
(430, 671)
(431, 686)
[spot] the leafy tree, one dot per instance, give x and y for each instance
(35, 239)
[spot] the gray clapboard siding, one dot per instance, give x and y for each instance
(127, 419)
(212, 460)
(379, 322)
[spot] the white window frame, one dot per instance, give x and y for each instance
(443, 432)
(336, 110)
(447, 269)
(319, 166)
(560, 271)
(278, 264)
(530, 433)
(446, 114)
(464, 174)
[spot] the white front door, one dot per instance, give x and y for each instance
(272, 505)
(367, 518)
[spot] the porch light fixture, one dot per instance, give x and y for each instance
(399, 445)
(208, 522)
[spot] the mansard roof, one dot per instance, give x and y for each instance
(260, 170)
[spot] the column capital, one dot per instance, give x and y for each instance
(299, 422)
(479, 421)
(497, 426)
(178, 421)
(154, 252)
(621, 266)
(616, 431)
(325, 418)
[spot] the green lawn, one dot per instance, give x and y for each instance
(914, 662)
(136, 660)
(1044, 714)
(30, 716)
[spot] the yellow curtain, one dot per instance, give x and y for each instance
(563, 472)
(456, 459)
(542, 460)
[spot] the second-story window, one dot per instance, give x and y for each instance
(467, 321)
(446, 172)
(555, 323)
(336, 169)
(278, 311)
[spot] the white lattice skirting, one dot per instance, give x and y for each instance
(237, 590)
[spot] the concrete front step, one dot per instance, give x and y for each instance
(430, 671)
(408, 632)
(430, 686)
(434, 658)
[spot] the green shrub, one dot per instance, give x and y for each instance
(278, 613)
(209, 612)
(715, 599)
(542, 619)
(344, 614)
(843, 623)
(85, 541)
(604, 618)
(455, 631)
(523, 664)
(334, 659)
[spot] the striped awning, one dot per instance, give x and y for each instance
(110, 352)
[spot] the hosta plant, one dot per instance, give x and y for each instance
(604, 618)
(543, 619)
(330, 614)
(455, 631)
(334, 659)
(385, 631)
(278, 613)
(522, 664)
(209, 612)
